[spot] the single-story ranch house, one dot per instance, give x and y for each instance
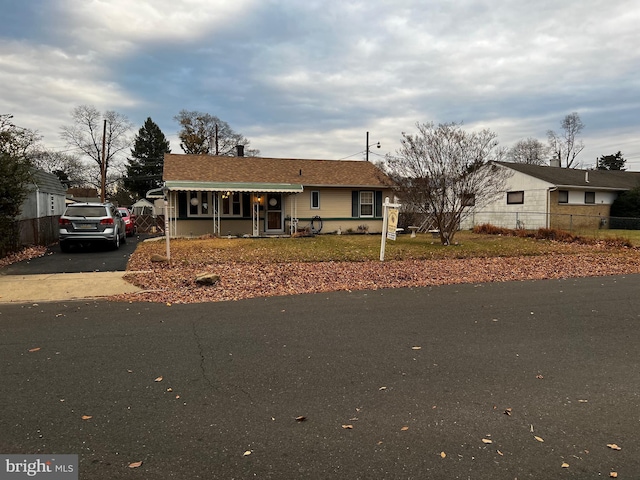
(553, 197)
(253, 196)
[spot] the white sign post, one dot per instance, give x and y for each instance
(389, 224)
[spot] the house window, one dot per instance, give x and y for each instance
(589, 197)
(366, 204)
(199, 204)
(515, 198)
(194, 202)
(315, 200)
(468, 199)
(231, 204)
(563, 196)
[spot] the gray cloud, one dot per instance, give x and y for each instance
(309, 79)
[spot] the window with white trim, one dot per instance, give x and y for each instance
(366, 204)
(200, 204)
(231, 204)
(315, 200)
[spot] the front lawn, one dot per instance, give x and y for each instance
(338, 248)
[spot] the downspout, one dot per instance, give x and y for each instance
(548, 220)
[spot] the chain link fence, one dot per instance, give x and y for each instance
(573, 223)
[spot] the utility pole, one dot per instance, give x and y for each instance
(367, 144)
(103, 166)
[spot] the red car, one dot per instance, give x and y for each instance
(129, 221)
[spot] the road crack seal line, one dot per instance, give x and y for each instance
(206, 376)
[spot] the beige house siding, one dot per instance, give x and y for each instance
(335, 213)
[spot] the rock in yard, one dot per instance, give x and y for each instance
(207, 279)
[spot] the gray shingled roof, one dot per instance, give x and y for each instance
(47, 182)
(570, 177)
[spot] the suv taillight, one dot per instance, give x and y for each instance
(106, 221)
(64, 221)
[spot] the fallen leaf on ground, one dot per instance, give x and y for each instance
(538, 438)
(169, 389)
(443, 455)
(159, 379)
(347, 427)
(583, 401)
(87, 417)
(382, 388)
(500, 453)
(613, 446)
(404, 429)
(486, 440)
(416, 348)
(565, 465)
(301, 418)
(135, 464)
(539, 377)
(247, 453)
(613, 474)
(34, 349)
(508, 412)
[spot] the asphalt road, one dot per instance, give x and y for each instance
(562, 355)
(97, 257)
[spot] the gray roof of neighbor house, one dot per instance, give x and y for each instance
(571, 177)
(47, 182)
(276, 171)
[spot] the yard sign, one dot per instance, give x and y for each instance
(390, 215)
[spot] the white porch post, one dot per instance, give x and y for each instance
(255, 216)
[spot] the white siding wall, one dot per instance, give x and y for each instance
(530, 213)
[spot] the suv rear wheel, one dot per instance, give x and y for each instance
(116, 241)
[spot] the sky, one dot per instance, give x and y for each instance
(309, 78)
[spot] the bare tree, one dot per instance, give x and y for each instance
(202, 133)
(565, 146)
(86, 135)
(68, 168)
(530, 151)
(443, 170)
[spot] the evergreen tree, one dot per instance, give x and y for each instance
(16, 146)
(612, 162)
(144, 168)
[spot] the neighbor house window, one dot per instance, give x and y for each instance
(563, 196)
(589, 197)
(315, 200)
(468, 199)
(514, 198)
(366, 204)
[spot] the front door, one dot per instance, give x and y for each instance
(274, 217)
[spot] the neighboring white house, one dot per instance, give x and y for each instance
(41, 209)
(553, 197)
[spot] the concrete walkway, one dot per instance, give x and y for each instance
(62, 286)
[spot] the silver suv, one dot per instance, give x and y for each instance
(89, 222)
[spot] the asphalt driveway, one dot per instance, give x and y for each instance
(92, 258)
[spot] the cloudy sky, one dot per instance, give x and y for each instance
(309, 78)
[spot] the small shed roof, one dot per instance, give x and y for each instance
(48, 183)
